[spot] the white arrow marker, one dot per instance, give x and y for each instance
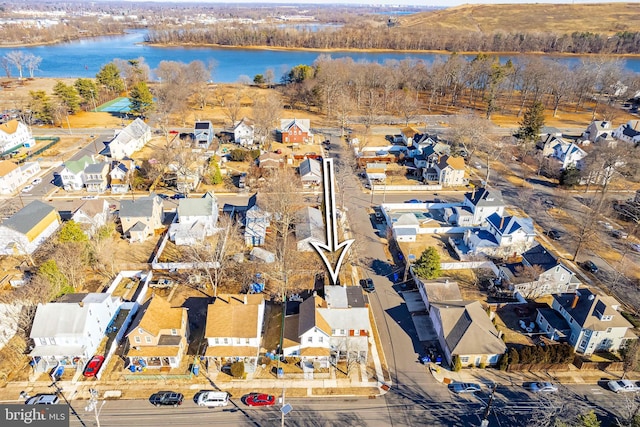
(331, 224)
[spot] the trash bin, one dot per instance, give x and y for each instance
(196, 369)
(280, 373)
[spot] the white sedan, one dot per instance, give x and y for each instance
(542, 387)
(36, 181)
(27, 188)
(623, 386)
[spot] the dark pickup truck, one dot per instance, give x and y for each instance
(166, 398)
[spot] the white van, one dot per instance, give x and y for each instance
(213, 398)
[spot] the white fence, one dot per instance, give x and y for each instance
(461, 265)
(376, 188)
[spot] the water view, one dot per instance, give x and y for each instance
(84, 58)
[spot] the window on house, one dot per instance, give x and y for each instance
(216, 340)
(43, 341)
(609, 330)
(247, 341)
(52, 341)
(310, 339)
(147, 339)
(139, 330)
(464, 359)
(174, 332)
(320, 339)
(226, 340)
(137, 339)
(237, 340)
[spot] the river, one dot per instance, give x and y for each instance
(84, 58)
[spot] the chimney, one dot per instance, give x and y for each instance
(501, 223)
(576, 297)
(81, 303)
(473, 192)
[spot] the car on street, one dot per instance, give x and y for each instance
(465, 387)
(542, 387)
(213, 399)
(413, 201)
(622, 386)
(635, 247)
(42, 399)
(166, 398)
(620, 234)
(27, 188)
(36, 181)
(590, 266)
(367, 285)
(555, 234)
(606, 225)
(179, 196)
(93, 366)
(162, 196)
(258, 399)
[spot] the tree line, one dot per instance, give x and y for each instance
(365, 36)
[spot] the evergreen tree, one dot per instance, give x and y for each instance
(109, 78)
(68, 96)
(570, 177)
(457, 363)
(141, 99)
(216, 175)
(531, 124)
(88, 91)
(40, 106)
(72, 232)
(428, 265)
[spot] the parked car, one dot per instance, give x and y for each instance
(166, 398)
(622, 386)
(635, 247)
(367, 285)
(36, 181)
(162, 196)
(542, 387)
(42, 399)
(606, 225)
(258, 399)
(213, 398)
(590, 266)
(620, 234)
(555, 234)
(413, 201)
(93, 366)
(465, 387)
(179, 196)
(27, 188)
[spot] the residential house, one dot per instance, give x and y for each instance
(70, 330)
(72, 175)
(262, 255)
(597, 131)
(295, 131)
(270, 161)
(91, 215)
(464, 329)
(140, 218)
(569, 155)
(187, 176)
(120, 176)
(327, 331)
(309, 228)
(234, 330)
(628, 132)
(438, 290)
(503, 236)
(310, 172)
(96, 177)
(27, 229)
(129, 140)
(197, 218)
(243, 132)
(594, 321)
(450, 171)
(548, 143)
(13, 135)
(539, 273)
(203, 134)
(408, 133)
(256, 222)
(11, 177)
(431, 154)
(477, 206)
(158, 335)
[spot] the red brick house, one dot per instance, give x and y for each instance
(295, 131)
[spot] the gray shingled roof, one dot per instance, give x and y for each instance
(485, 198)
(309, 224)
(589, 308)
(28, 217)
(196, 207)
(137, 208)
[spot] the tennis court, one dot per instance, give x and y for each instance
(118, 105)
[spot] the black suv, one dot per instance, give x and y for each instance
(367, 285)
(590, 266)
(166, 398)
(555, 234)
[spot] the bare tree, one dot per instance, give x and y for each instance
(231, 104)
(72, 260)
(266, 112)
(18, 59)
(5, 63)
(405, 104)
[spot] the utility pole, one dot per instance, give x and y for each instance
(485, 418)
(73, 411)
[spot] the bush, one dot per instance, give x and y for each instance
(237, 369)
(238, 155)
(482, 365)
(457, 363)
(504, 362)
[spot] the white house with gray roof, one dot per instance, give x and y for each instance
(243, 133)
(595, 322)
(310, 172)
(141, 217)
(465, 330)
(309, 228)
(130, 139)
(197, 218)
(628, 132)
(27, 229)
(96, 177)
(72, 174)
(502, 236)
(477, 206)
(71, 329)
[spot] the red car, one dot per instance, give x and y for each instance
(258, 399)
(93, 366)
